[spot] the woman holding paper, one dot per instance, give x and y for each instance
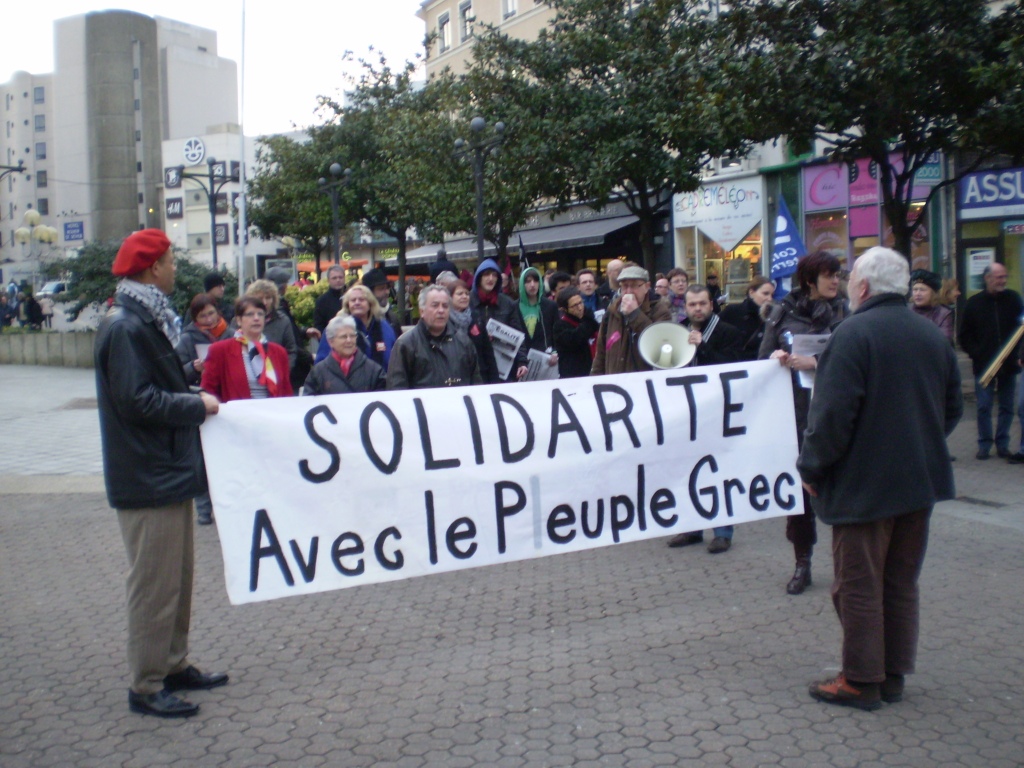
(207, 326)
(465, 319)
(814, 308)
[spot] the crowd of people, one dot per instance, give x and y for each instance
(888, 362)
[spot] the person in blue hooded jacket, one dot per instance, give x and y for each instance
(489, 303)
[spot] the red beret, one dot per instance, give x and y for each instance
(139, 251)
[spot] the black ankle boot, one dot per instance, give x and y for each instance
(801, 576)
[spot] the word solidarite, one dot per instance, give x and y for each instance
(614, 403)
(562, 524)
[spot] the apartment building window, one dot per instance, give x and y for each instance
(138, 166)
(138, 135)
(466, 19)
(39, 95)
(41, 180)
(509, 8)
(135, 73)
(138, 105)
(43, 205)
(444, 32)
(40, 123)
(40, 150)
(142, 199)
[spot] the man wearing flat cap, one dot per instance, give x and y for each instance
(626, 318)
(153, 468)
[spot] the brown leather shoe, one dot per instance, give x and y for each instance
(841, 691)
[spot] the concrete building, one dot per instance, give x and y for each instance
(92, 134)
(453, 20)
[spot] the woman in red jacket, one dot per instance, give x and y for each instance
(247, 366)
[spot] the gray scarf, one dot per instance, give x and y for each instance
(461, 320)
(157, 304)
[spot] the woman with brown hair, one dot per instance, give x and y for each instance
(207, 326)
(813, 307)
(247, 366)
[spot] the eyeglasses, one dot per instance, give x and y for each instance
(574, 305)
(255, 315)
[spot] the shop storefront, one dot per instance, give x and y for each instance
(842, 211)
(990, 224)
(718, 232)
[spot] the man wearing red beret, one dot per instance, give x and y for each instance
(153, 467)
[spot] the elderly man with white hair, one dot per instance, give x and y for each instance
(875, 462)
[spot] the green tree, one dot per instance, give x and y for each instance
(896, 81)
(283, 193)
(623, 94)
(90, 284)
(396, 138)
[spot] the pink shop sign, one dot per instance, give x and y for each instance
(864, 184)
(825, 187)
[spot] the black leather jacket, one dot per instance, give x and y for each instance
(149, 421)
(421, 361)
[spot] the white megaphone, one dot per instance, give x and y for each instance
(666, 345)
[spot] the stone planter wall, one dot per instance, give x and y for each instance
(68, 350)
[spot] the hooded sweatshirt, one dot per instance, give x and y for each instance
(497, 306)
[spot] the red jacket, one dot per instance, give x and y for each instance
(224, 371)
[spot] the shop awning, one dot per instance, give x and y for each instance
(575, 235)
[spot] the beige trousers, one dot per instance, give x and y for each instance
(159, 588)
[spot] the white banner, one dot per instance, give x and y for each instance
(320, 493)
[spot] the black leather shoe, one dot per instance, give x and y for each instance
(1003, 453)
(686, 539)
(162, 704)
(801, 577)
(982, 455)
(191, 679)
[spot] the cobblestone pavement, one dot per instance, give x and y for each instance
(633, 655)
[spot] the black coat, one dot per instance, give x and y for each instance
(572, 343)
(746, 318)
(990, 319)
(886, 396)
(149, 421)
(724, 346)
(327, 378)
(543, 336)
(186, 349)
(421, 361)
(507, 312)
(800, 316)
(327, 306)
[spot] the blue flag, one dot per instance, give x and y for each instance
(787, 249)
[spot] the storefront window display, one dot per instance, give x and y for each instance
(718, 231)
(990, 208)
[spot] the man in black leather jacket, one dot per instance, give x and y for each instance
(433, 354)
(153, 467)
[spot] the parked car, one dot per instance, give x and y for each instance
(52, 288)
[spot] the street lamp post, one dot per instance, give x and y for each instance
(333, 190)
(7, 170)
(477, 149)
(215, 182)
